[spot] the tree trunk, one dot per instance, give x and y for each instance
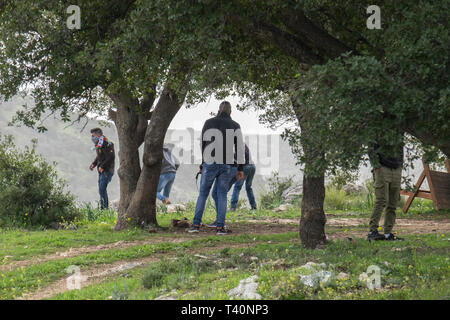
(312, 221)
(142, 207)
(131, 120)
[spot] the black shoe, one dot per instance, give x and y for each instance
(232, 209)
(194, 229)
(392, 237)
(374, 235)
(212, 225)
(222, 231)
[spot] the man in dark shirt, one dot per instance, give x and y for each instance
(221, 140)
(387, 170)
(104, 163)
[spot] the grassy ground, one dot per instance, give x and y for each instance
(135, 264)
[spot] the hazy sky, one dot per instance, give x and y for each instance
(196, 116)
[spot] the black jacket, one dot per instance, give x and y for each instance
(105, 157)
(378, 159)
(223, 122)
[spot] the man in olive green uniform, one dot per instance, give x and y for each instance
(387, 172)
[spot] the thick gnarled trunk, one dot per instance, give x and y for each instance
(131, 119)
(142, 207)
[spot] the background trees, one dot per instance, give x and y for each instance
(313, 62)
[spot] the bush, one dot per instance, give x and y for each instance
(336, 199)
(277, 186)
(341, 178)
(31, 192)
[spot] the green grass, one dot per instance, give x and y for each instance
(418, 269)
(18, 281)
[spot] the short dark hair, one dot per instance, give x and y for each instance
(225, 106)
(97, 131)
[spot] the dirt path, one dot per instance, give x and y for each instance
(264, 226)
(351, 227)
(411, 226)
(73, 252)
(237, 229)
(102, 272)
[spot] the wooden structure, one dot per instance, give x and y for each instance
(439, 183)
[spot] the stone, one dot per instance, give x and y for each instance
(281, 208)
(246, 289)
(169, 296)
(342, 276)
(315, 274)
(151, 229)
(352, 188)
(171, 208)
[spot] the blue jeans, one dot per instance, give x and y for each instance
(249, 173)
(165, 185)
(103, 180)
(230, 184)
(221, 174)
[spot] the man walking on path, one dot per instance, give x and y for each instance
(221, 141)
(104, 163)
(249, 172)
(169, 169)
(387, 175)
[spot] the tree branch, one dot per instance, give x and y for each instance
(285, 41)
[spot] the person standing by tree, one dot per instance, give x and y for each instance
(104, 163)
(249, 173)
(387, 170)
(169, 169)
(221, 140)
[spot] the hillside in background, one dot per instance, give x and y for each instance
(70, 148)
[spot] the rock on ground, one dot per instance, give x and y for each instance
(171, 208)
(314, 275)
(246, 289)
(169, 296)
(352, 188)
(281, 208)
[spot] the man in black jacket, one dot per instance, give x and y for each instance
(387, 170)
(104, 163)
(221, 140)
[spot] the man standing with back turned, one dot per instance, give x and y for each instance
(221, 140)
(387, 171)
